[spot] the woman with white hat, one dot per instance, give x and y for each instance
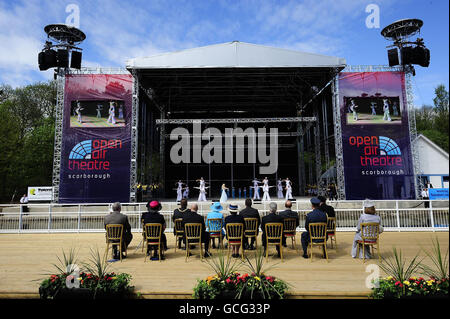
(368, 216)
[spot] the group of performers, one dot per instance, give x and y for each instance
(352, 108)
(183, 190)
(111, 112)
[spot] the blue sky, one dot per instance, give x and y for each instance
(117, 30)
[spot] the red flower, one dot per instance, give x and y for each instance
(398, 283)
(228, 280)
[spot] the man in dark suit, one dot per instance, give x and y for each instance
(192, 217)
(271, 218)
(179, 213)
(289, 213)
(153, 216)
(250, 212)
(329, 210)
(115, 217)
(316, 216)
(234, 218)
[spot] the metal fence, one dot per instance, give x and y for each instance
(53, 218)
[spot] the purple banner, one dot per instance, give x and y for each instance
(375, 134)
(96, 140)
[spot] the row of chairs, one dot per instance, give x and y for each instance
(274, 235)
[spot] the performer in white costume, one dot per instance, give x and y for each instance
(186, 192)
(353, 107)
(179, 190)
(256, 189)
(373, 106)
(224, 196)
(288, 188)
(202, 188)
(266, 196)
(99, 110)
(280, 188)
(112, 113)
(78, 111)
(386, 116)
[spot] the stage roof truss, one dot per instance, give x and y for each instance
(237, 120)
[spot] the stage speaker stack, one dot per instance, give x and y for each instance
(47, 59)
(393, 57)
(75, 61)
(62, 57)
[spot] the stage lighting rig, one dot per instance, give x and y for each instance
(63, 49)
(404, 52)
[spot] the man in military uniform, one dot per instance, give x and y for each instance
(316, 216)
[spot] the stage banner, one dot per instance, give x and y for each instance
(96, 140)
(375, 133)
(438, 193)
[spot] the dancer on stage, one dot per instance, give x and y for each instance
(179, 190)
(373, 106)
(353, 107)
(202, 188)
(256, 188)
(288, 188)
(99, 110)
(395, 109)
(186, 192)
(112, 113)
(120, 111)
(223, 196)
(280, 188)
(78, 111)
(386, 116)
(266, 188)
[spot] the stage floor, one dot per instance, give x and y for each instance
(25, 257)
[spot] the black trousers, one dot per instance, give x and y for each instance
(205, 240)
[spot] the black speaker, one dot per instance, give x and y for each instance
(62, 58)
(393, 57)
(75, 61)
(47, 59)
(416, 55)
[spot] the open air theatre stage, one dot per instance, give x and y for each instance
(240, 85)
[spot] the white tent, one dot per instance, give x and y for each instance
(235, 55)
(434, 162)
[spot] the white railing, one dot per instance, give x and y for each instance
(52, 218)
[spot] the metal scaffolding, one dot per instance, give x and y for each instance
(237, 120)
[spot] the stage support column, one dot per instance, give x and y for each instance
(325, 135)
(340, 187)
(318, 159)
(162, 152)
(301, 159)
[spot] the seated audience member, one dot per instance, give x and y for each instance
(273, 217)
(179, 213)
(250, 212)
(289, 213)
(329, 210)
(215, 212)
(153, 216)
(115, 217)
(369, 216)
(234, 218)
(315, 216)
(192, 217)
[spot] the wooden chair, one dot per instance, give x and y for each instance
(152, 233)
(235, 235)
(331, 230)
(193, 232)
(290, 229)
(251, 229)
(370, 233)
(114, 237)
(318, 237)
(179, 231)
(215, 226)
(143, 236)
(274, 237)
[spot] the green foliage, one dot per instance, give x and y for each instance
(433, 121)
(390, 287)
(27, 121)
(398, 267)
(440, 262)
(221, 265)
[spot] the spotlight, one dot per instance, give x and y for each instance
(416, 55)
(75, 61)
